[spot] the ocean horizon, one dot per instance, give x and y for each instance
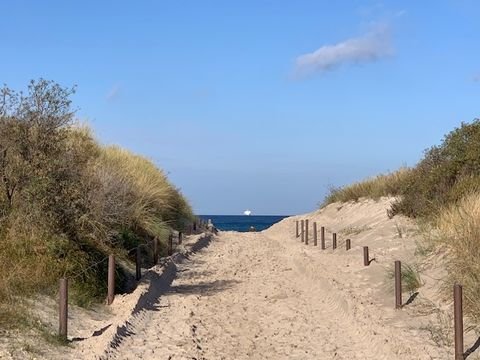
(243, 223)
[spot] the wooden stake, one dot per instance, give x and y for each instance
(458, 320)
(111, 280)
(306, 232)
(63, 308)
(398, 284)
(138, 270)
(366, 259)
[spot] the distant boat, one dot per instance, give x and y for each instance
(247, 212)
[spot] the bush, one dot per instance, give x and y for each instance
(445, 174)
(66, 202)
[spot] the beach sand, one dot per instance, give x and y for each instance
(268, 296)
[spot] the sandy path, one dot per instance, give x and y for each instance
(266, 296)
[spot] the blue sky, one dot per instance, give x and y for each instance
(256, 104)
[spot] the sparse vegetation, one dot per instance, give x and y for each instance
(411, 280)
(374, 188)
(458, 233)
(66, 202)
(354, 230)
(443, 193)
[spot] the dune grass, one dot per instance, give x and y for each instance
(67, 202)
(411, 279)
(382, 185)
(457, 231)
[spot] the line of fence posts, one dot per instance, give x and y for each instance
(63, 282)
(457, 288)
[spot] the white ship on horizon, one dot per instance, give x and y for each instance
(247, 212)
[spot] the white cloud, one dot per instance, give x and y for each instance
(113, 92)
(370, 47)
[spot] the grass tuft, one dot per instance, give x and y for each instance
(374, 188)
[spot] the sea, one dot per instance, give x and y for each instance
(243, 222)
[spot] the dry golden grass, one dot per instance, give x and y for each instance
(139, 193)
(374, 188)
(458, 233)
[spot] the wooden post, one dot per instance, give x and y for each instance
(155, 251)
(296, 229)
(398, 284)
(194, 226)
(458, 320)
(170, 244)
(306, 232)
(322, 237)
(366, 259)
(334, 241)
(302, 230)
(138, 270)
(111, 279)
(314, 233)
(348, 244)
(63, 308)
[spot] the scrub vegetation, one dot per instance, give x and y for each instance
(442, 191)
(66, 201)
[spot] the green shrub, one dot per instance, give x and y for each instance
(66, 202)
(445, 174)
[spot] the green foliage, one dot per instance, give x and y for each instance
(445, 174)
(66, 202)
(411, 280)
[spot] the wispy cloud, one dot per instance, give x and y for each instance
(370, 47)
(476, 78)
(113, 93)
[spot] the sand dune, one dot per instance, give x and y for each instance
(268, 296)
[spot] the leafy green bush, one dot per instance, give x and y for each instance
(66, 202)
(445, 174)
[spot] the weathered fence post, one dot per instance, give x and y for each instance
(170, 244)
(155, 250)
(366, 260)
(194, 227)
(111, 280)
(348, 244)
(322, 237)
(138, 270)
(63, 308)
(296, 229)
(306, 232)
(398, 284)
(334, 241)
(180, 238)
(314, 233)
(458, 319)
(302, 230)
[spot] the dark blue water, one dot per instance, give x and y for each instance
(242, 222)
